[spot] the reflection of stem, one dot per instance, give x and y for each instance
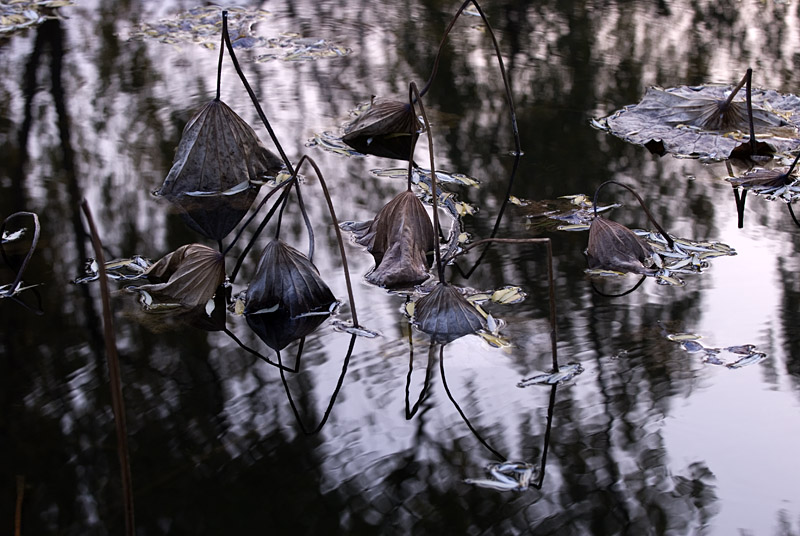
(740, 204)
(243, 346)
(641, 203)
(410, 412)
(792, 213)
(333, 396)
(637, 285)
(115, 376)
(412, 89)
(461, 412)
(34, 242)
(550, 411)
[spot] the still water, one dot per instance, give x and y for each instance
(649, 439)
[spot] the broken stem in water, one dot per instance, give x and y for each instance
(115, 376)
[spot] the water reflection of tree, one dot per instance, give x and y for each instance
(609, 473)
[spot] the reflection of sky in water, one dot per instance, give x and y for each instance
(642, 412)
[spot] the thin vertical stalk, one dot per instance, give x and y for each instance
(749, 77)
(115, 377)
(18, 505)
(221, 54)
(413, 91)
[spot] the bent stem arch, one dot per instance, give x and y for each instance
(641, 203)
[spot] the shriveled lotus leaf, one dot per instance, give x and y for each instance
(384, 129)
(446, 315)
(767, 178)
(21, 14)
(688, 121)
(218, 151)
(189, 276)
(612, 246)
(401, 240)
(285, 280)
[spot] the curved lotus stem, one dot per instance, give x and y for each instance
(261, 226)
(637, 285)
(412, 90)
(34, 241)
(641, 203)
(333, 396)
(342, 253)
(227, 40)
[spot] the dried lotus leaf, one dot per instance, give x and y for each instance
(612, 246)
(388, 128)
(218, 151)
(286, 280)
(401, 240)
(445, 314)
(188, 276)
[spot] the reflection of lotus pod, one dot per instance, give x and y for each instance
(613, 246)
(384, 129)
(278, 329)
(286, 280)
(401, 240)
(217, 152)
(189, 276)
(446, 314)
(216, 215)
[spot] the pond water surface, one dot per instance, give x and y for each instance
(650, 438)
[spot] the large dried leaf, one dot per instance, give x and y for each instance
(401, 240)
(285, 279)
(613, 246)
(188, 276)
(217, 152)
(446, 315)
(692, 121)
(767, 178)
(384, 129)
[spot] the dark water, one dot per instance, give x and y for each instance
(649, 439)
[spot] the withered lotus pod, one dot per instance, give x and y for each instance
(217, 159)
(401, 240)
(188, 276)
(612, 246)
(287, 298)
(445, 314)
(384, 129)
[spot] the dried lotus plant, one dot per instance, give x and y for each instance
(387, 128)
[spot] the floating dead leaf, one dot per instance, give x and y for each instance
(732, 357)
(612, 246)
(18, 15)
(294, 47)
(564, 374)
(218, 166)
(387, 128)
(693, 121)
(187, 277)
(445, 314)
(203, 25)
(287, 299)
(401, 240)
